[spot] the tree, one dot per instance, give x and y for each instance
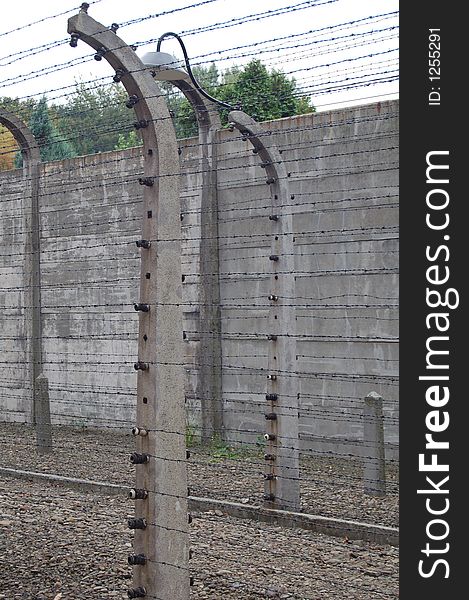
(95, 119)
(8, 149)
(51, 144)
(129, 140)
(184, 118)
(261, 94)
(8, 146)
(21, 108)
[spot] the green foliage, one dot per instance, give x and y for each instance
(127, 140)
(52, 145)
(96, 119)
(192, 436)
(261, 94)
(220, 450)
(21, 108)
(184, 120)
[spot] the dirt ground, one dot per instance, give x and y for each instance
(330, 486)
(61, 544)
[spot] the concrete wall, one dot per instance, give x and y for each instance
(343, 181)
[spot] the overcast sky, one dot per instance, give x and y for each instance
(319, 61)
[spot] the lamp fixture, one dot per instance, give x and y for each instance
(167, 68)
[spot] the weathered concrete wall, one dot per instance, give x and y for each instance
(343, 180)
(343, 176)
(14, 346)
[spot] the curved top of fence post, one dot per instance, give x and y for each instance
(260, 139)
(150, 105)
(207, 115)
(23, 136)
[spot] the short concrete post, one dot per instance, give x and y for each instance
(374, 475)
(43, 424)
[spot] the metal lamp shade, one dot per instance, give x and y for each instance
(166, 66)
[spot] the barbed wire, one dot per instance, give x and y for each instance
(47, 18)
(305, 4)
(332, 372)
(345, 25)
(308, 127)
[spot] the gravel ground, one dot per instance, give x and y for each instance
(329, 486)
(60, 544)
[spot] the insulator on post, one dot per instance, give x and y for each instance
(74, 37)
(137, 559)
(132, 101)
(269, 437)
(270, 477)
(269, 497)
(141, 366)
(270, 417)
(273, 297)
(272, 337)
(264, 165)
(270, 457)
(270, 180)
(148, 181)
(139, 592)
(231, 126)
(273, 217)
(137, 494)
(139, 459)
(271, 397)
(273, 257)
(114, 27)
(272, 377)
(139, 431)
(139, 306)
(84, 6)
(141, 124)
(100, 52)
(136, 523)
(118, 76)
(143, 244)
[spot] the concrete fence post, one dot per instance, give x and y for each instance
(43, 424)
(32, 250)
(374, 476)
(209, 350)
(281, 475)
(161, 541)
